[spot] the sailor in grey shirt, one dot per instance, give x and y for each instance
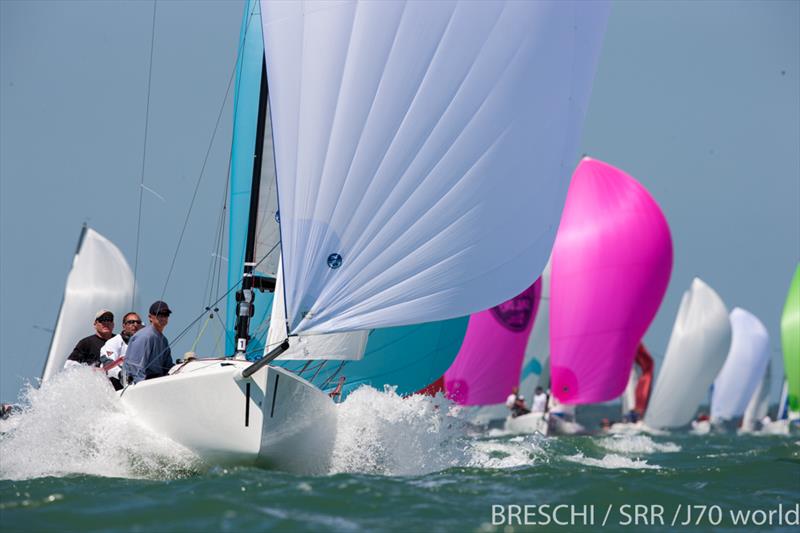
(148, 354)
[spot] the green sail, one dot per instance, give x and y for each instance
(790, 337)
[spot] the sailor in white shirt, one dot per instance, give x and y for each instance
(539, 401)
(516, 403)
(114, 349)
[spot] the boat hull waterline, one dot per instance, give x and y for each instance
(273, 419)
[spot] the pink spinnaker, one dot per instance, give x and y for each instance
(488, 365)
(612, 259)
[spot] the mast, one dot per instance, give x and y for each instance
(244, 297)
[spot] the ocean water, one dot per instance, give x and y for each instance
(73, 460)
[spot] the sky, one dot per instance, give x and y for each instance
(699, 101)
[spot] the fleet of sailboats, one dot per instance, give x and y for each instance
(387, 160)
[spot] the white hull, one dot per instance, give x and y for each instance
(530, 423)
(274, 418)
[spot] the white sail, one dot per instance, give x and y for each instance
(268, 233)
(758, 406)
(700, 340)
(339, 346)
(536, 365)
(100, 279)
(629, 395)
(411, 141)
(744, 366)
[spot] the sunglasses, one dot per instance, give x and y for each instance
(106, 320)
(133, 322)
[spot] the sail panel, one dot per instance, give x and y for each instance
(411, 139)
(488, 365)
(744, 367)
(697, 348)
(758, 406)
(100, 278)
(612, 261)
(790, 341)
(337, 346)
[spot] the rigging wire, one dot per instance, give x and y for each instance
(144, 153)
(199, 180)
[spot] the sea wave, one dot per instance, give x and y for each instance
(634, 444)
(612, 461)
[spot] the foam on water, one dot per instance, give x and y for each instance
(633, 444)
(612, 461)
(384, 433)
(74, 424)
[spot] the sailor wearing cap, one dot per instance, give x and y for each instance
(87, 351)
(148, 354)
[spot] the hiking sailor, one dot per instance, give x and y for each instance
(113, 351)
(516, 402)
(87, 351)
(148, 355)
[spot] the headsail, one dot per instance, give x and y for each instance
(790, 340)
(637, 391)
(488, 365)
(100, 279)
(412, 139)
(743, 368)
(611, 264)
(698, 346)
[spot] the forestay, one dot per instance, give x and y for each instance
(743, 368)
(100, 279)
(340, 346)
(421, 149)
(698, 346)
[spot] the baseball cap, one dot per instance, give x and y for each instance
(103, 313)
(160, 307)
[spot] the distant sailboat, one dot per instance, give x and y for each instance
(744, 367)
(390, 127)
(488, 365)
(790, 342)
(637, 391)
(610, 267)
(100, 278)
(697, 348)
(758, 406)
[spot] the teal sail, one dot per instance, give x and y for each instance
(407, 357)
(245, 104)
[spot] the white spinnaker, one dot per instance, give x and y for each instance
(758, 406)
(538, 347)
(700, 340)
(100, 279)
(339, 346)
(744, 366)
(422, 148)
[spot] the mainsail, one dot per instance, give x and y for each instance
(488, 365)
(611, 264)
(758, 405)
(743, 368)
(536, 363)
(637, 391)
(411, 141)
(698, 346)
(100, 279)
(790, 340)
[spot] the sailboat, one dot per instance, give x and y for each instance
(790, 342)
(488, 365)
(744, 368)
(696, 351)
(611, 263)
(637, 391)
(390, 124)
(100, 278)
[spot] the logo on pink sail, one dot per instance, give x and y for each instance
(516, 313)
